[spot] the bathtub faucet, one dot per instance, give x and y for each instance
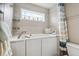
(24, 32)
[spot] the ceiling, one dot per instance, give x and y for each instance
(45, 5)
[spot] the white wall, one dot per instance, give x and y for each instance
(53, 16)
(54, 22)
(32, 27)
(72, 13)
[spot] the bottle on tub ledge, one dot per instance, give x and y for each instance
(50, 31)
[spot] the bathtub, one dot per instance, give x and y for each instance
(36, 45)
(33, 36)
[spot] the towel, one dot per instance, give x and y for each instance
(5, 37)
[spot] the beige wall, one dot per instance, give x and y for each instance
(32, 27)
(72, 13)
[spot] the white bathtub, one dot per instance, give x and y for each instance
(41, 36)
(34, 36)
(36, 45)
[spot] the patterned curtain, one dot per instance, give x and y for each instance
(63, 30)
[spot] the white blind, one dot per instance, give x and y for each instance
(32, 15)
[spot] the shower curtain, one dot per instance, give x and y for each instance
(5, 37)
(63, 30)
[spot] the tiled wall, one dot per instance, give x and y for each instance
(53, 17)
(30, 26)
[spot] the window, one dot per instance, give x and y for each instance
(32, 15)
